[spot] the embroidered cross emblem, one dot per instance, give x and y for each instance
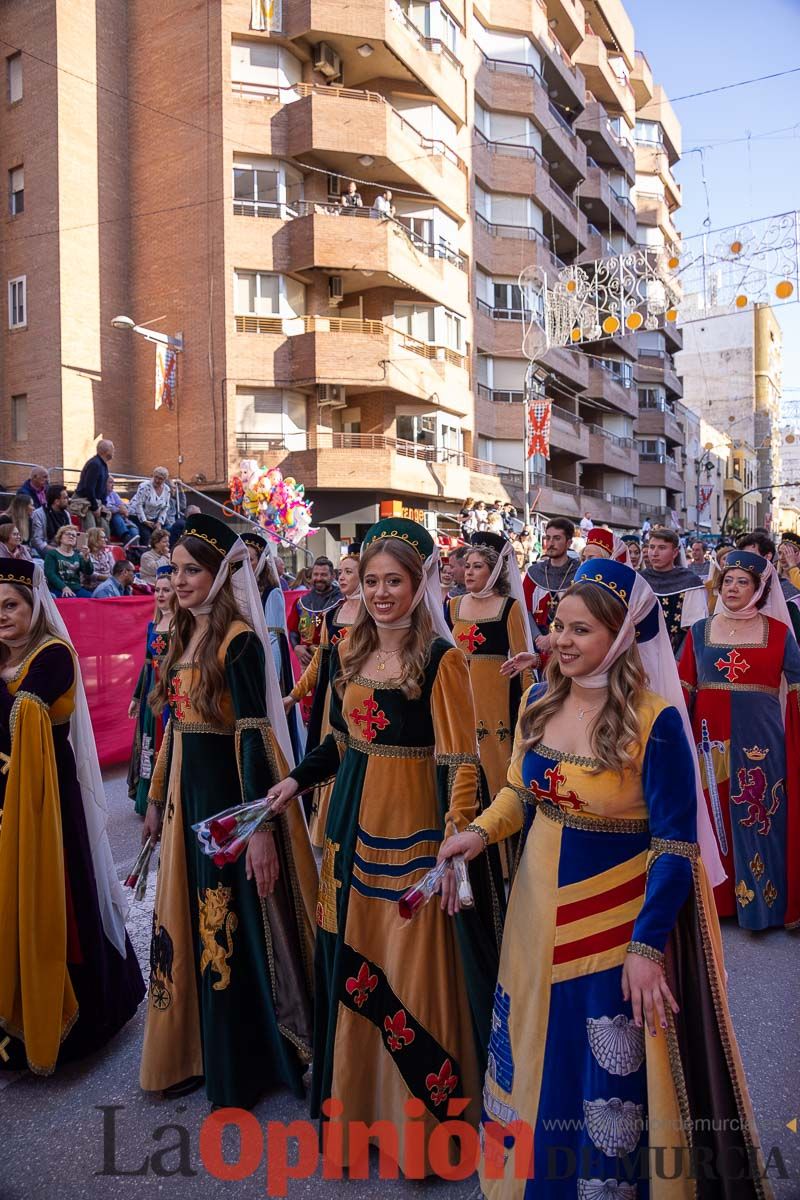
(3, 1051)
(159, 645)
(372, 718)
(732, 666)
(472, 637)
(5, 759)
(177, 699)
(555, 778)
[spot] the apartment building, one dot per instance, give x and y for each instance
(372, 350)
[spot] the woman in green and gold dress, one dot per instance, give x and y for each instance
(401, 1011)
(149, 731)
(230, 958)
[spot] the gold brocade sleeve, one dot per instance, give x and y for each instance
(453, 713)
(506, 814)
(517, 639)
(37, 1000)
(308, 680)
(794, 576)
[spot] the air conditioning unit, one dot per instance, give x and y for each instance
(327, 61)
(331, 395)
(336, 289)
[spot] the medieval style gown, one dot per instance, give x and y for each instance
(230, 981)
(64, 989)
(750, 766)
(275, 614)
(402, 1010)
(608, 861)
(149, 732)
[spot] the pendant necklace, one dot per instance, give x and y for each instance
(387, 654)
(583, 711)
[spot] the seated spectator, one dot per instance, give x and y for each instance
(157, 556)
(19, 512)
(11, 543)
(64, 567)
(89, 497)
(35, 487)
(119, 584)
(121, 527)
(176, 530)
(150, 503)
(46, 521)
(100, 557)
(176, 507)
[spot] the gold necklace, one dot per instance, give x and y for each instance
(387, 654)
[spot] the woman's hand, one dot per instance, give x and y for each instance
(519, 663)
(282, 793)
(288, 704)
(468, 844)
(152, 823)
(645, 985)
(133, 708)
(261, 862)
(67, 592)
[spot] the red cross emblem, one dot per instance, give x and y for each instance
(473, 637)
(360, 986)
(399, 1035)
(372, 719)
(159, 645)
(732, 666)
(340, 636)
(442, 1084)
(176, 699)
(555, 778)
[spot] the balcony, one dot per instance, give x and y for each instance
(601, 203)
(733, 485)
(611, 21)
(570, 19)
(564, 81)
(652, 159)
(611, 388)
(505, 167)
(616, 453)
(652, 210)
(503, 248)
(642, 80)
(659, 109)
(659, 420)
(332, 127)
(660, 470)
(597, 133)
(568, 433)
(555, 497)
(569, 365)
(656, 366)
(602, 80)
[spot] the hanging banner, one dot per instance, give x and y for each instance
(166, 377)
(706, 492)
(539, 411)
(265, 15)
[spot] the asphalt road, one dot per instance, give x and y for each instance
(89, 1133)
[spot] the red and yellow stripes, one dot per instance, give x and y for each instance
(595, 919)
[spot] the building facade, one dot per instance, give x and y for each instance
(194, 172)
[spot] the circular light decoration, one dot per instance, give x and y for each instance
(784, 289)
(611, 325)
(673, 263)
(633, 320)
(671, 314)
(741, 301)
(576, 335)
(736, 247)
(790, 438)
(571, 285)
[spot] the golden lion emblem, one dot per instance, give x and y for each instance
(214, 916)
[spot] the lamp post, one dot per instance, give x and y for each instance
(161, 339)
(770, 487)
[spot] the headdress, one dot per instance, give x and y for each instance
(215, 533)
(418, 538)
(789, 536)
(164, 572)
(631, 539)
(505, 548)
(767, 576)
(17, 570)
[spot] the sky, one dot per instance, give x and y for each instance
(696, 44)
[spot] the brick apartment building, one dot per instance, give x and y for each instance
(169, 162)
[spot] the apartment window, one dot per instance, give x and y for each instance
(653, 398)
(19, 418)
(262, 187)
(14, 77)
(417, 320)
(265, 294)
(16, 191)
(449, 31)
(17, 303)
(454, 331)
(649, 132)
(507, 301)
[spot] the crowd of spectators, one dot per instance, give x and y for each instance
(498, 516)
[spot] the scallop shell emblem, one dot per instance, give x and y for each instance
(614, 1125)
(617, 1044)
(605, 1189)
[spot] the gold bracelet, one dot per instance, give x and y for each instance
(645, 951)
(480, 831)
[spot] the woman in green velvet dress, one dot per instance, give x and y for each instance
(230, 958)
(149, 731)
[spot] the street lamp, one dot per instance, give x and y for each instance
(152, 335)
(760, 488)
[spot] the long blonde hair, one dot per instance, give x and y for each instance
(363, 637)
(616, 733)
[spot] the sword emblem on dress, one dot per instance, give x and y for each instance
(706, 746)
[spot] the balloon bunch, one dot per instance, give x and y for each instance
(279, 505)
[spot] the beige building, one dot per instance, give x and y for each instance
(192, 173)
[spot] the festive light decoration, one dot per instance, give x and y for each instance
(277, 504)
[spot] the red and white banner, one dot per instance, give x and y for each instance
(166, 377)
(704, 496)
(539, 412)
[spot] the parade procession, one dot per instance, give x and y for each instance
(399, 612)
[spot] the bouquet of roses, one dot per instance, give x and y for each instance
(137, 878)
(419, 895)
(224, 837)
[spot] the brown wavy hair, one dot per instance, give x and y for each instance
(490, 556)
(208, 685)
(37, 632)
(616, 734)
(363, 636)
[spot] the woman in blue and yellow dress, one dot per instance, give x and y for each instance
(401, 1012)
(741, 672)
(611, 1037)
(230, 957)
(149, 731)
(69, 979)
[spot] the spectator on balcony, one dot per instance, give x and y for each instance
(35, 486)
(101, 559)
(150, 504)
(46, 521)
(383, 206)
(157, 556)
(92, 486)
(120, 583)
(352, 197)
(119, 523)
(11, 543)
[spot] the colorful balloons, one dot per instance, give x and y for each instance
(277, 504)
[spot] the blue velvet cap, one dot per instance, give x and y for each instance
(747, 560)
(614, 577)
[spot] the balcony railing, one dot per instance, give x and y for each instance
(621, 373)
(623, 200)
(564, 414)
(433, 45)
(509, 149)
(656, 404)
(294, 326)
(559, 191)
(506, 67)
(501, 396)
(499, 314)
(663, 459)
(562, 121)
(525, 233)
(624, 443)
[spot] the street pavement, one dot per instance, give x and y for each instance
(52, 1130)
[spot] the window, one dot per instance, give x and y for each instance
(265, 294)
(17, 305)
(454, 331)
(262, 187)
(16, 191)
(416, 320)
(19, 418)
(507, 301)
(449, 31)
(14, 77)
(649, 132)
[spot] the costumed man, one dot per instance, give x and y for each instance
(308, 611)
(681, 592)
(547, 579)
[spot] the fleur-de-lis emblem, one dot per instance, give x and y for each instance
(757, 867)
(744, 894)
(770, 894)
(502, 731)
(360, 986)
(441, 1085)
(399, 1035)
(482, 731)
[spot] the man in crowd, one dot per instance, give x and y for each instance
(697, 558)
(121, 526)
(586, 524)
(352, 197)
(762, 543)
(36, 487)
(308, 611)
(548, 578)
(177, 528)
(457, 559)
(681, 592)
(93, 483)
(45, 521)
(150, 504)
(118, 584)
(280, 567)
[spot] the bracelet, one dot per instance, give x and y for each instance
(645, 951)
(480, 831)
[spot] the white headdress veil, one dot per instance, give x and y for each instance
(110, 896)
(429, 591)
(507, 558)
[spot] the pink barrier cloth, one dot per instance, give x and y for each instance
(109, 637)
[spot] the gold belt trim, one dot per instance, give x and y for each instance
(202, 727)
(381, 751)
(738, 687)
(597, 824)
(689, 850)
